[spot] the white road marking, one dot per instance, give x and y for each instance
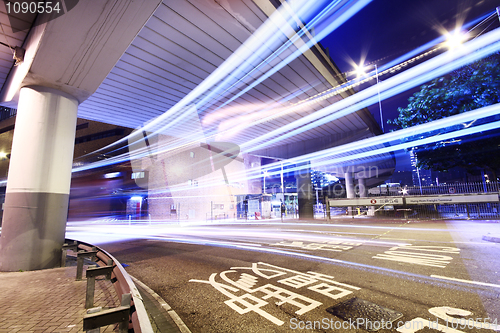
(419, 256)
(256, 298)
(451, 242)
(467, 281)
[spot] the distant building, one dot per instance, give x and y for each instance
(403, 177)
(421, 177)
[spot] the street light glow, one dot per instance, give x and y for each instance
(455, 39)
(360, 70)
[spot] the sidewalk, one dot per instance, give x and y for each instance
(51, 300)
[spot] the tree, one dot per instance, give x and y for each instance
(468, 88)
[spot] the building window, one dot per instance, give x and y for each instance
(138, 175)
(82, 126)
(100, 135)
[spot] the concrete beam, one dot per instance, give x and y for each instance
(295, 149)
(76, 51)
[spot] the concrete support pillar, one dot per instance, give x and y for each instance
(349, 185)
(305, 192)
(349, 189)
(36, 203)
(363, 191)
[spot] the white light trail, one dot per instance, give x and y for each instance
(89, 234)
(384, 143)
(250, 69)
(255, 47)
(440, 65)
(435, 67)
(347, 12)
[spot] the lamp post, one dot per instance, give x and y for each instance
(360, 71)
(379, 101)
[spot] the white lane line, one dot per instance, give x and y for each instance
(467, 281)
(431, 241)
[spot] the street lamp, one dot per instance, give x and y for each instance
(455, 39)
(361, 71)
(379, 101)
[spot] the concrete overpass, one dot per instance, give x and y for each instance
(127, 63)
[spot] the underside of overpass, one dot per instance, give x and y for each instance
(143, 63)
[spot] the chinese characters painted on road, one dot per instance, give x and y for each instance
(249, 288)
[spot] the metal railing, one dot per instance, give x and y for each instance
(440, 206)
(122, 282)
(442, 211)
(454, 188)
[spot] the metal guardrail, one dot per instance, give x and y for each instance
(123, 284)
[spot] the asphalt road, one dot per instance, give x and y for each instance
(424, 276)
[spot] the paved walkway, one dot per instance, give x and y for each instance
(49, 300)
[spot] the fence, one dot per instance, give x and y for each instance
(458, 188)
(468, 209)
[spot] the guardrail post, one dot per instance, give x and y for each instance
(79, 267)
(89, 298)
(94, 310)
(81, 255)
(65, 248)
(92, 321)
(126, 301)
(91, 274)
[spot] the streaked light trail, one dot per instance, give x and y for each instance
(473, 50)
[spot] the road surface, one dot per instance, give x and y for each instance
(348, 276)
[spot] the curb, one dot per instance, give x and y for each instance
(175, 317)
(491, 238)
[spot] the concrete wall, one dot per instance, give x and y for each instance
(185, 184)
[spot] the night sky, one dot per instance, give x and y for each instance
(386, 29)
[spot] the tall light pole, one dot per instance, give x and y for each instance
(360, 71)
(379, 101)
